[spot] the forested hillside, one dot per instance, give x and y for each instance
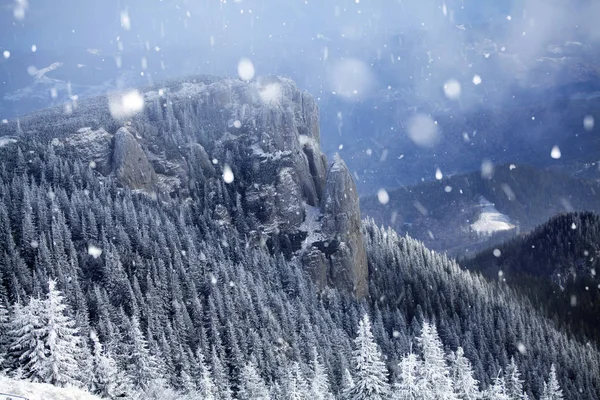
(556, 266)
(444, 213)
(130, 294)
(166, 288)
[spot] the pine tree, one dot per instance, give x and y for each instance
(409, 383)
(497, 391)
(220, 377)
(461, 372)
(514, 383)
(319, 384)
(25, 332)
(296, 387)
(46, 340)
(252, 385)
(141, 364)
(3, 330)
(347, 384)
(552, 390)
(106, 380)
(436, 375)
(370, 379)
(206, 386)
(61, 341)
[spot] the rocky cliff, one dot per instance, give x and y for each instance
(248, 153)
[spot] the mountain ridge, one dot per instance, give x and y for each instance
(442, 213)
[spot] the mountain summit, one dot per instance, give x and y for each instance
(249, 151)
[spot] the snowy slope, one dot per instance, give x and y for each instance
(490, 220)
(39, 391)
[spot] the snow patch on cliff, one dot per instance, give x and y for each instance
(311, 225)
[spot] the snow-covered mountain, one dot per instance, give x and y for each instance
(191, 239)
(464, 213)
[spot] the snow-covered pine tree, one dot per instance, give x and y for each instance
(347, 384)
(220, 377)
(514, 383)
(436, 375)
(296, 387)
(206, 385)
(46, 340)
(497, 391)
(27, 350)
(409, 383)
(461, 372)
(141, 364)
(3, 331)
(552, 390)
(62, 342)
(106, 380)
(319, 383)
(252, 385)
(371, 375)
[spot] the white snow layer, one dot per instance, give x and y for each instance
(490, 219)
(40, 391)
(311, 225)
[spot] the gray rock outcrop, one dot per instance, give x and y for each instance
(92, 146)
(130, 163)
(342, 224)
(280, 192)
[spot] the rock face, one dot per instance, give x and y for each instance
(342, 222)
(265, 135)
(130, 163)
(92, 146)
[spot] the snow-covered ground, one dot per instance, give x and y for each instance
(490, 219)
(11, 389)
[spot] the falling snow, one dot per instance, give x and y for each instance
(383, 196)
(94, 251)
(227, 174)
(487, 169)
(125, 21)
(245, 69)
(452, 89)
(351, 78)
(271, 94)
(423, 131)
(588, 122)
(125, 105)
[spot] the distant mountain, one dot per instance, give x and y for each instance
(461, 214)
(557, 266)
